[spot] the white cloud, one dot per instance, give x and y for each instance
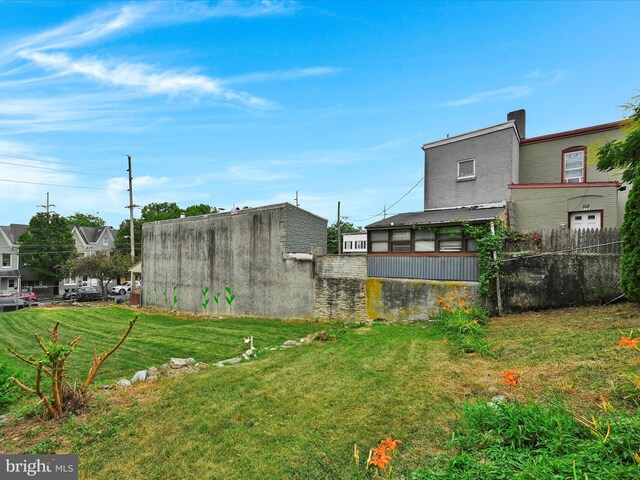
(502, 94)
(143, 77)
(281, 75)
(538, 79)
(111, 22)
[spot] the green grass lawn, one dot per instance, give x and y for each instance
(297, 413)
(154, 339)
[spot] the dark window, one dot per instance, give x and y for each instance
(424, 241)
(450, 240)
(466, 169)
(379, 241)
(401, 241)
(6, 260)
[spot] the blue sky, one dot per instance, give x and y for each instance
(244, 103)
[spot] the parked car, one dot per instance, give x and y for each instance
(86, 294)
(124, 289)
(28, 296)
(68, 293)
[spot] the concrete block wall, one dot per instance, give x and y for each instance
(303, 231)
(342, 266)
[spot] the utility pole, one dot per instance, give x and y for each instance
(384, 211)
(131, 205)
(48, 205)
(297, 199)
(339, 242)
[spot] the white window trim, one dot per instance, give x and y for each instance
(467, 177)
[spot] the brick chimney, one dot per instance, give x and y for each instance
(520, 117)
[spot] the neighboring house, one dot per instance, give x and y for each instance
(89, 241)
(354, 243)
(10, 278)
(546, 182)
(495, 173)
(560, 186)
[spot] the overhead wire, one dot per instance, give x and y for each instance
(56, 169)
(386, 210)
(60, 185)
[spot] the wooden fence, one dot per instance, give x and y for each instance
(605, 240)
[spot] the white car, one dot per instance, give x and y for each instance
(124, 289)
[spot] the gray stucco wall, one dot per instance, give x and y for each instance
(244, 251)
(497, 159)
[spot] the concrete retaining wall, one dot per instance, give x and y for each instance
(343, 291)
(255, 252)
(404, 300)
(560, 280)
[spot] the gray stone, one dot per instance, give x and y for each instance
(229, 361)
(140, 376)
(250, 353)
(497, 400)
(6, 417)
(181, 362)
(290, 343)
(123, 383)
(153, 371)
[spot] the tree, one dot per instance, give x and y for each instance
(122, 241)
(625, 154)
(46, 245)
(160, 211)
(86, 220)
(332, 234)
(102, 266)
(200, 209)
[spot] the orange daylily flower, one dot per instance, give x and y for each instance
(445, 340)
(511, 377)
(629, 342)
(391, 444)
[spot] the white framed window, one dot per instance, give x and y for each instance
(11, 283)
(467, 169)
(574, 165)
(105, 242)
(6, 259)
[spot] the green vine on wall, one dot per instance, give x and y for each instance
(487, 243)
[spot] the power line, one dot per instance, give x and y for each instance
(59, 185)
(385, 210)
(31, 159)
(55, 169)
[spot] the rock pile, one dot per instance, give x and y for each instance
(174, 367)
